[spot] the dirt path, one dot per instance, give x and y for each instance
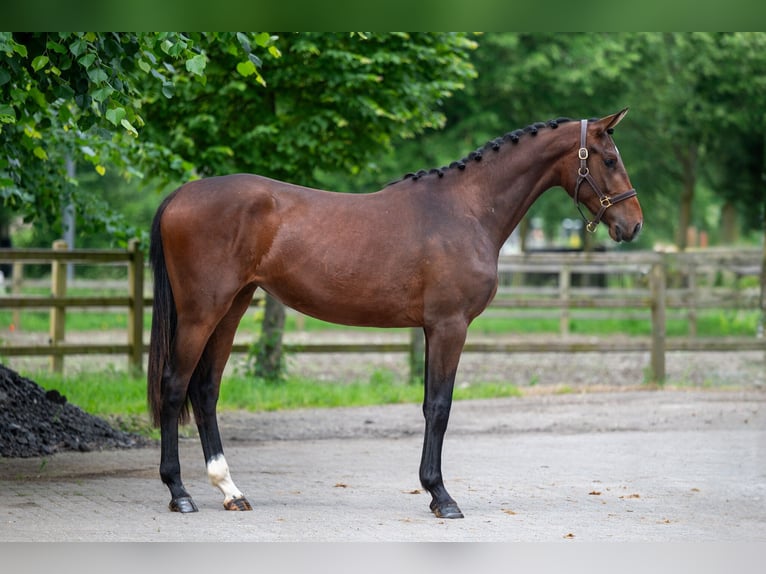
(630, 466)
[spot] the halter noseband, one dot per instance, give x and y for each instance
(583, 174)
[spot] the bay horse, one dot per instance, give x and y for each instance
(421, 252)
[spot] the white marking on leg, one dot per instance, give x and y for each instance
(218, 473)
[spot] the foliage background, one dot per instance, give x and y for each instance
(192, 105)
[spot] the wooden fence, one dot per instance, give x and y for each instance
(58, 301)
(532, 285)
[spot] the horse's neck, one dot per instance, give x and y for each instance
(506, 186)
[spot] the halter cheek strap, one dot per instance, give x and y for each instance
(583, 174)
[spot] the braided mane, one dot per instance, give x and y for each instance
(492, 145)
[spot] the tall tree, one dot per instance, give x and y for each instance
(735, 93)
(78, 97)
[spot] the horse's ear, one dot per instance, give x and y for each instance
(609, 122)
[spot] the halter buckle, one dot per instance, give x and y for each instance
(606, 202)
(591, 226)
(583, 153)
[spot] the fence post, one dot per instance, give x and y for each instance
(136, 307)
(565, 281)
(16, 282)
(58, 311)
(658, 281)
(691, 273)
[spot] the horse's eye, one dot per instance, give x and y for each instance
(610, 162)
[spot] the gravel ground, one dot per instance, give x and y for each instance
(587, 454)
(679, 466)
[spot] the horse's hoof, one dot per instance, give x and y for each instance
(240, 503)
(183, 504)
(448, 510)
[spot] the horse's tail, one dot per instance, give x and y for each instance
(164, 321)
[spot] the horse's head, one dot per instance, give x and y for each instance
(595, 177)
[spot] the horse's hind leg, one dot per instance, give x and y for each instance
(175, 383)
(203, 393)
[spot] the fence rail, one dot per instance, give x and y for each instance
(631, 284)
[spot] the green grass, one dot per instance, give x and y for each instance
(76, 320)
(121, 398)
(710, 323)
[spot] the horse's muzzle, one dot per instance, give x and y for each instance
(621, 234)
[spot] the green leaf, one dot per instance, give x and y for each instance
(255, 60)
(78, 47)
(55, 46)
(196, 65)
(168, 89)
(7, 114)
(32, 133)
(102, 94)
(246, 68)
(39, 63)
(97, 75)
(128, 126)
(40, 153)
(244, 42)
(87, 60)
(20, 49)
(263, 39)
(115, 115)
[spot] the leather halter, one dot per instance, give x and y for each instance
(583, 174)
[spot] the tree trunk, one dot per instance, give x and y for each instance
(762, 323)
(689, 162)
(269, 363)
(729, 227)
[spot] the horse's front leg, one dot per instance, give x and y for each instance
(444, 344)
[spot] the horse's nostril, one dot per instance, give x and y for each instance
(637, 230)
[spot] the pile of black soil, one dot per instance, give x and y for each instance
(36, 422)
